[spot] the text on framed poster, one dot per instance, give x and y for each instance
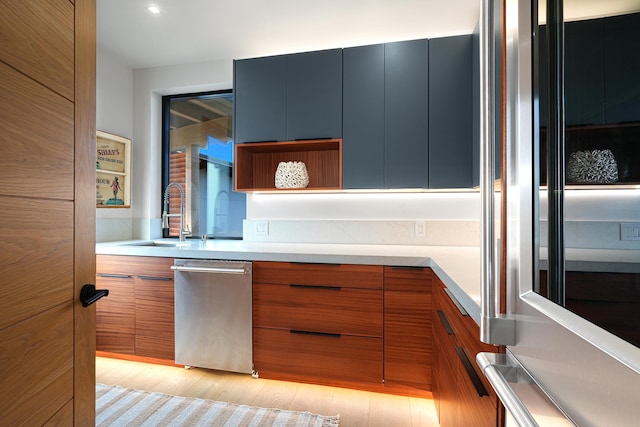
(113, 183)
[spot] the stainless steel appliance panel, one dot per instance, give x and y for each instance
(213, 315)
(591, 375)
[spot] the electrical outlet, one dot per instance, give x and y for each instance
(630, 231)
(419, 229)
(262, 228)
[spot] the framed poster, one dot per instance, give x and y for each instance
(113, 171)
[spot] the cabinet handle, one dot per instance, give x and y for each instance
(330, 288)
(324, 334)
(471, 373)
(456, 302)
(167, 279)
(335, 264)
(114, 276)
(445, 322)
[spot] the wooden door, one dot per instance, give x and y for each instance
(47, 211)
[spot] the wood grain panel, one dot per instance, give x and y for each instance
(38, 39)
(64, 417)
(344, 275)
(321, 309)
(37, 367)
(115, 315)
(322, 359)
(36, 257)
(472, 409)
(445, 377)
(139, 319)
(466, 334)
(256, 163)
(407, 326)
(85, 211)
(36, 142)
(134, 265)
(154, 325)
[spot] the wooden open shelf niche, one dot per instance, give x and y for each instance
(256, 163)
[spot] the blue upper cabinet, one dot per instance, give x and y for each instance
(288, 97)
(386, 116)
(451, 112)
(602, 66)
(622, 68)
(406, 116)
(584, 71)
(404, 110)
(260, 99)
(314, 95)
(363, 117)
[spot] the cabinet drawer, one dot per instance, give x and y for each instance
(408, 279)
(465, 334)
(342, 275)
(134, 266)
(321, 358)
(407, 326)
(115, 318)
(318, 308)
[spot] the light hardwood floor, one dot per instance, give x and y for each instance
(356, 408)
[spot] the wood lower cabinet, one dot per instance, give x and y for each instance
(137, 317)
(407, 328)
(154, 310)
(115, 318)
(463, 397)
(319, 323)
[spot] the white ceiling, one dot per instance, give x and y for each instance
(189, 31)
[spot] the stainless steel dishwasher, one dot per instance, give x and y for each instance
(213, 316)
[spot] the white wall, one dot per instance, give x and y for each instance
(114, 114)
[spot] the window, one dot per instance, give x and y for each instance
(198, 154)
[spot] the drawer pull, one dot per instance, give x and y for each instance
(114, 276)
(330, 288)
(167, 279)
(324, 334)
(456, 302)
(471, 373)
(324, 264)
(445, 322)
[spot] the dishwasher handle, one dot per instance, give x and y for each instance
(187, 269)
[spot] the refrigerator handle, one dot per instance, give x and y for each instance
(494, 329)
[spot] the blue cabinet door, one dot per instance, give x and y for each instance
(260, 99)
(406, 114)
(450, 112)
(584, 73)
(622, 68)
(314, 95)
(363, 117)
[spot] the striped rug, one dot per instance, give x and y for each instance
(117, 406)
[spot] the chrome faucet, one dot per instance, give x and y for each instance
(184, 229)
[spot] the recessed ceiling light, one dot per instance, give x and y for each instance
(154, 9)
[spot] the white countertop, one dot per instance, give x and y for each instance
(457, 266)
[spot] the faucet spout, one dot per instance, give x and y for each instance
(184, 229)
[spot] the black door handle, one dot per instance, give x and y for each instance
(89, 294)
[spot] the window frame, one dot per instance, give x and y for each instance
(165, 154)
